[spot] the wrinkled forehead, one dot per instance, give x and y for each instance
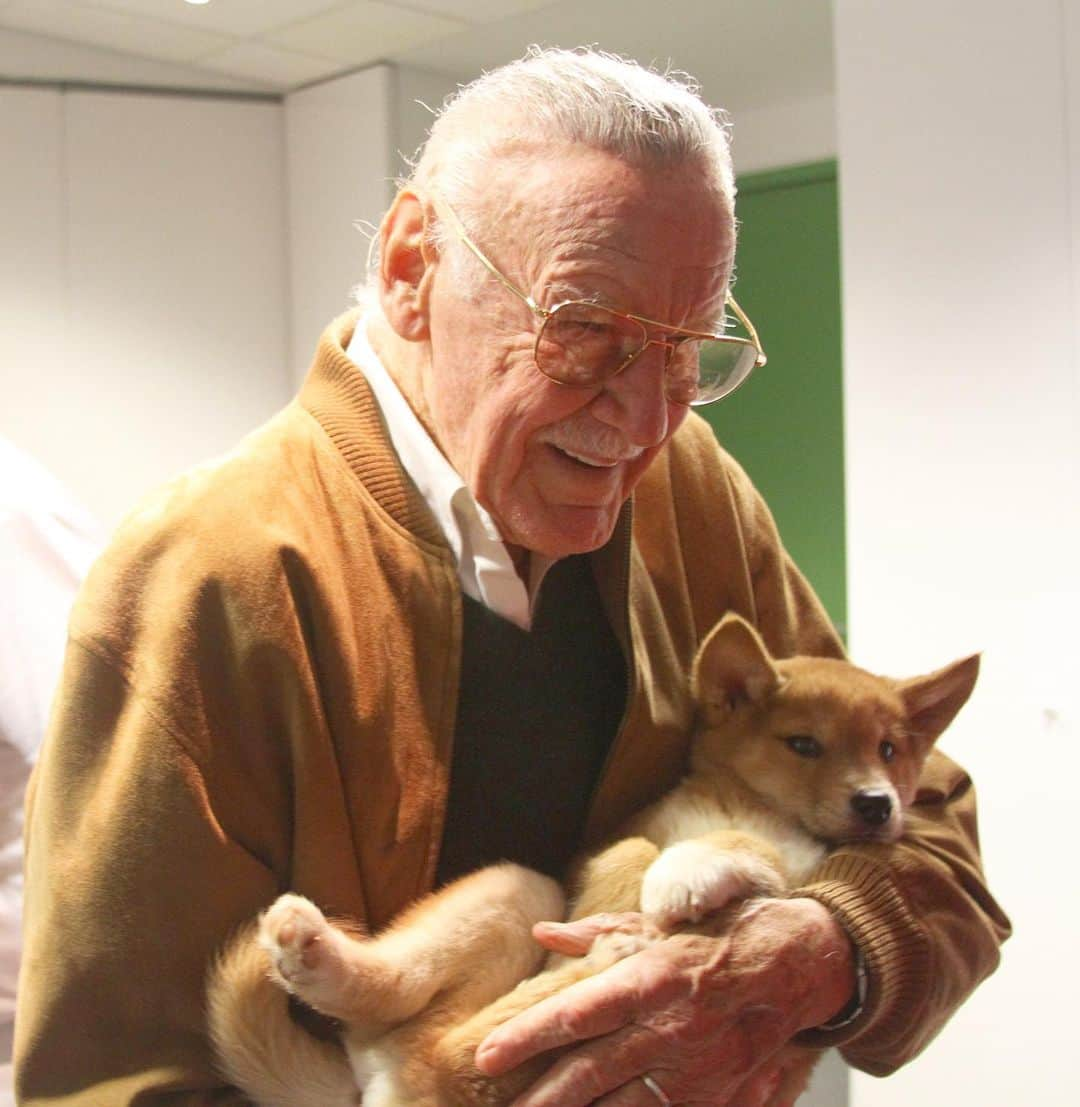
(589, 217)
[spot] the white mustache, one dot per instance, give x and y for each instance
(591, 441)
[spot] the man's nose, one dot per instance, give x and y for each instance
(634, 400)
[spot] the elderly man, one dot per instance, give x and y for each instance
(418, 622)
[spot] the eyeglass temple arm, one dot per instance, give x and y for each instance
(750, 329)
(484, 260)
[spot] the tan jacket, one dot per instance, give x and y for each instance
(260, 693)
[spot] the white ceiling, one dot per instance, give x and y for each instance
(745, 52)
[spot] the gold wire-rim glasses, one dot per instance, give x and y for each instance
(679, 334)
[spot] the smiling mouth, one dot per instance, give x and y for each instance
(593, 462)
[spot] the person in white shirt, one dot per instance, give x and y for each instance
(47, 541)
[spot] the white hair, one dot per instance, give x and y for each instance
(553, 97)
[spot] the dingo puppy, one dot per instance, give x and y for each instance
(789, 758)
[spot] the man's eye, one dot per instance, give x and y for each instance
(804, 745)
(569, 330)
(685, 350)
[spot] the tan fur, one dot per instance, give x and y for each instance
(789, 759)
(260, 1034)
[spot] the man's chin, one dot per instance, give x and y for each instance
(566, 530)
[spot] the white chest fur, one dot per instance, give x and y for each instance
(689, 813)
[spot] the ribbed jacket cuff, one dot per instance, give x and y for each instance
(897, 954)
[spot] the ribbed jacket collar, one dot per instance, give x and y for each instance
(337, 395)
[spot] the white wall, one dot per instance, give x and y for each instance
(340, 171)
(781, 135)
(417, 95)
(960, 315)
(1070, 47)
(347, 141)
(28, 57)
(142, 283)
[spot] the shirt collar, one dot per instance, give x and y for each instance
(485, 569)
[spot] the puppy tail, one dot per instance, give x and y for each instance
(260, 1048)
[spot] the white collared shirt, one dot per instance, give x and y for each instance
(485, 568)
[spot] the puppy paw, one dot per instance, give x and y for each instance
(298, 940)
(688, 881)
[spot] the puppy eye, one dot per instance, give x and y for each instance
(887, 751)
(804, 745)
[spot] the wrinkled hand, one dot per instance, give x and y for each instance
(701, 1014)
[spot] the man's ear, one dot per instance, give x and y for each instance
(733, 667)
(406, 266)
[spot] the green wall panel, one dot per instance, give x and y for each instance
(786, 424)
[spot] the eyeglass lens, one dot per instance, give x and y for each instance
(583, 345)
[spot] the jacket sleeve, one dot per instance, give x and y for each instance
(918, 911)
(134, 876)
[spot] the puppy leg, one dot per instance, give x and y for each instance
(258, 1046)
(477, 929)
(692, 879)
(322, 964)
(611, 880)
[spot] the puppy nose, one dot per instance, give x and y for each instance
(873, 806)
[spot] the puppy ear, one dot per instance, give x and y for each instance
(932, 701)
(733, 666)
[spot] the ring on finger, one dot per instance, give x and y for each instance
(651, 1084)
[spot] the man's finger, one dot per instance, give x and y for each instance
(596, 1071)
(577, 938)
(587, 1009)
(572, 941)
